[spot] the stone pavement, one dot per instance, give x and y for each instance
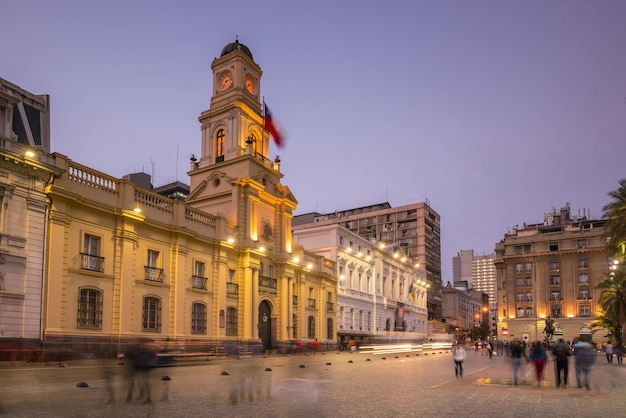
(329, 385)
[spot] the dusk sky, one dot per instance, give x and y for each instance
(493, 111)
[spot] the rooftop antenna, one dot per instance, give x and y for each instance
(176, 175)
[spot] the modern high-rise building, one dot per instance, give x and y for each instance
(462, 267)
(549, 272)
(479, 273)
(416, 228)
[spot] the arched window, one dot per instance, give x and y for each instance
(220, 139)
(89, 308)
(198, 318)
(329, 329)
(151, 316)
(255, 144)
(311, 327)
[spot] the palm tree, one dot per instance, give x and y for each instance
(615, 213)
(613, 299)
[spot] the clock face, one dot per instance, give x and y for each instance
(226, 80)
(250, 84)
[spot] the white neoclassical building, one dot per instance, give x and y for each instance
(381, 294)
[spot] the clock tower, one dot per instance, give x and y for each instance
(234, 176)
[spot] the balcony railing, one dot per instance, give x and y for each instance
(154, 274)
(330, 306)
(91, 262)
(199, 282)
(295, 300)
(270, 282)
(232, 289)
(312, 303)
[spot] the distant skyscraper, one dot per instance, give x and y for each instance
(462, 267)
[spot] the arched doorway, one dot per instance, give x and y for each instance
(265, 325)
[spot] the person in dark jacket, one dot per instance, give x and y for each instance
(561, 354)
(517, 352)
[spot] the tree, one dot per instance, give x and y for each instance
(613, 300)
(615, 214)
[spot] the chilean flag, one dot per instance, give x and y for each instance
(273, 127)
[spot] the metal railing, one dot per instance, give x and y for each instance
(199, 282)
(270, 282)
(153, 274)
(232, 289)
(91, 262)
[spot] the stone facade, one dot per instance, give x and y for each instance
(550, 270)
(26, 169)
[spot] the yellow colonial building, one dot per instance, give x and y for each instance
(218, 269)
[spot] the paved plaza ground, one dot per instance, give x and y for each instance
(329, 385)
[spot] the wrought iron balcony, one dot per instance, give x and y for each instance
(312, 303)
(91, 262)
(270, 282)
(154, 274)
(330, 306)
(232, 289)
(295, 300)
(199, 282)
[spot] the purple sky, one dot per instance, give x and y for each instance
(494, 111)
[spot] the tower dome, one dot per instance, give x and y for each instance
(234, 46)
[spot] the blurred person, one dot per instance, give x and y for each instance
(584, 356)
(608, 349)
(517, 352)
(538, 357)
(458, 355)
(561, 352)
(618, 350)
(490, 349)
(142, 358)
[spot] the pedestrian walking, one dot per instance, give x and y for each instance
(490, 349)
(538, 357)
(458, 354)
(517, 352)
(561, 354)
(608, 349)
(618, 350)
(584, 356)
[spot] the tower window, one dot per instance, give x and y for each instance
(219, 145)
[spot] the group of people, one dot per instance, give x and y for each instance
(584, 356)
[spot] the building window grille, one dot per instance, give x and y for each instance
(311, 327)
(198, 318)
(231, 322)
(90, 308)
(151, 318)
